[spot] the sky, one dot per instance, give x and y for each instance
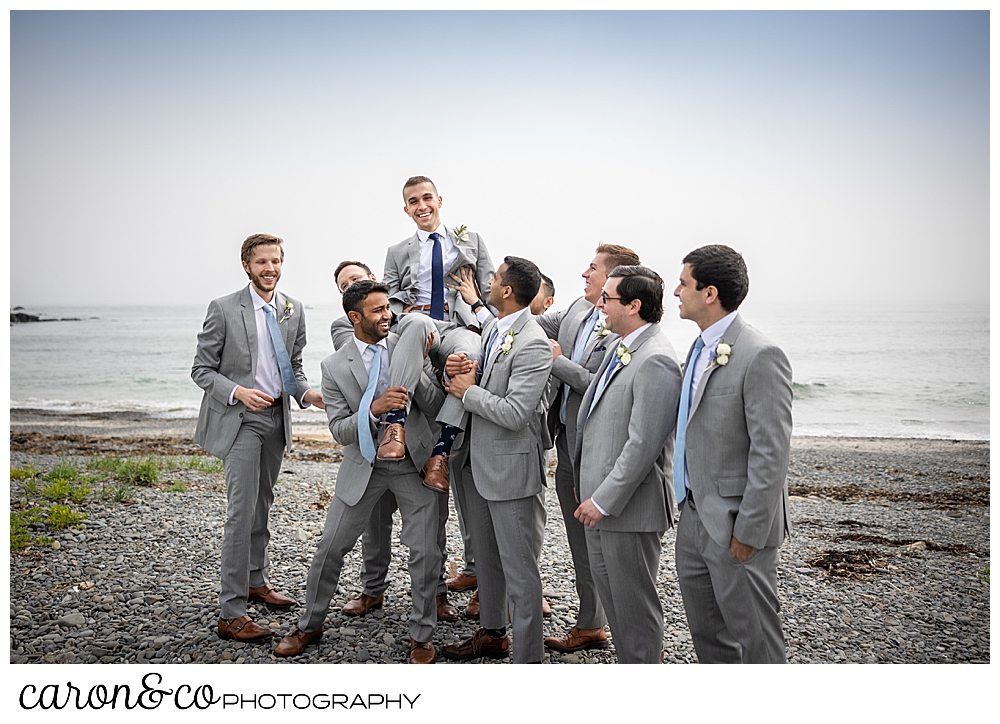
(845, 154)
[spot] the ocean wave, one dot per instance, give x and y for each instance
(806, 390)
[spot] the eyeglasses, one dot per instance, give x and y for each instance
(605, 297)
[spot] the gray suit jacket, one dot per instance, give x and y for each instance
(563, 327)
(738, 441)
(505, 436)
(402, 262)
(624, 452)
(344, 383)
(227, 356)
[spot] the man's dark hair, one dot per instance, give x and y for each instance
(355, 295)
(416, 181)
(344, 264)
(550, 287)
(719, 266)
(523, 278)
(644, 284)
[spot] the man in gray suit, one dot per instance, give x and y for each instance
(623, 453)
(416, 272)
(734, 432)
(376, 541)
(249, 363)
(507, 458)
(581, 330)
(357, 394)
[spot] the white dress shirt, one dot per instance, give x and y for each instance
(268, 377)
(448, 255)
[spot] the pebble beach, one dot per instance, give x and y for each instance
(888, 560)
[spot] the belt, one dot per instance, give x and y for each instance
(277, 402)
(424, 307)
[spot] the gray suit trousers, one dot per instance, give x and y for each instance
(508, 568)
(448, 339)
(591, 614)
(459, 469)
(624, 565)
(732, 607)
(344, 524)
(251, 467)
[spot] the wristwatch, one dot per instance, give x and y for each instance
(477, 304)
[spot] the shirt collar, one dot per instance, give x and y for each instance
(258, 302)
(425, 236)
(507, 322)
(362, 346)
(632, 336)
(713, 334)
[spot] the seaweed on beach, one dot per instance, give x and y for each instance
(911, 543)
(853, 564)
(942, 500)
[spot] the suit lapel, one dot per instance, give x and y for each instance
(466, 254)
(735, 327)
(357, 365)
(572, 326)
(250, 322)
(285, 327)
(413, 256)
(649, 332)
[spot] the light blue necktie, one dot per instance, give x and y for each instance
(581, 344)
(489, 345)
(682, 420)
(284, 364)
(365, 440)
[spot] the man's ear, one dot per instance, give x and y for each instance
(711, 294)
(635, 306)
(355, 317)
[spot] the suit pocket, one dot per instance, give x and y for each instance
(720, 391)
(732, 487)
(517, 446)
(214, 404)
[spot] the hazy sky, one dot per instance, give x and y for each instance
(846, 154)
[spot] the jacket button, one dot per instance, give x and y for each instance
(241, 414)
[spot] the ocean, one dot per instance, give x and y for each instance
(859, 370)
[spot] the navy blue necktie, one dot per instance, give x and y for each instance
(437, 278)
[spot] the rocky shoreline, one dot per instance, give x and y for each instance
(888, 561)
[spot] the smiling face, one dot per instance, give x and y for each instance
(497, 287)
(595, 275)
(616, 314)
(423, 205)
(264, 269)
(371, 324)
(350, 274)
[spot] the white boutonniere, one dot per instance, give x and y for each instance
(624, 354)
(288, 312)
(719, 357)
(508, 340)
(461, 233)
(602, 330)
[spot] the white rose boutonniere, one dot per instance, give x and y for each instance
(288, 312)
(624, 354)
(508, 340)
(461, 233)
(720, 355)
(602, 330)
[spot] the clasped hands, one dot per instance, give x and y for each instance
(256, 400)
(461, 374)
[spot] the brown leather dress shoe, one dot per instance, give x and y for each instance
(546, 608)
(480, 644)
(295, 643)
(270, 598)
(393, 445)
(243, 629)
(363, 604)
(446, 612)
(462, 581)
(578, 639)
(422, 652)
(435, 473)
(472, 610)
